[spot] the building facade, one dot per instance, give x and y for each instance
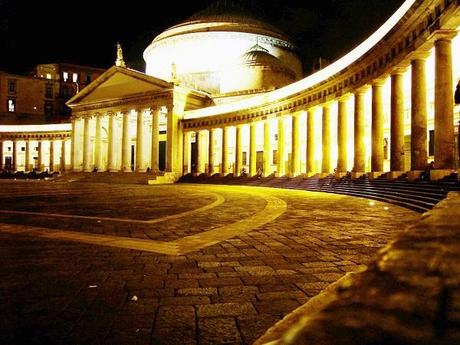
(386, 106)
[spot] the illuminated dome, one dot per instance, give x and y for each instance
(202, 47)
(257, 70)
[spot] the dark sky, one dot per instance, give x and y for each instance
(86, 32)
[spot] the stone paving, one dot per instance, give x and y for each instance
(55, 291)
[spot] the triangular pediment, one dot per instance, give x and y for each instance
(118, 82)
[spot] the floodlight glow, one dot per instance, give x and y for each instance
(36, 128)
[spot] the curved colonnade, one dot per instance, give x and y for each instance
(386, 106)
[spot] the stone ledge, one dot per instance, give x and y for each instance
(410, 294)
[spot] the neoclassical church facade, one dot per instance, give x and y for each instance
(224, 93)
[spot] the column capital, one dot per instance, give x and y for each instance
(380, 81)
(444, 35)
(345, 97)
(419, 55)
(399, 69)
(361, 90)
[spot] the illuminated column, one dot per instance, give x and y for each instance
(397, 123)
(211, 150)
(295, 145)
(111, 143)
(39, 156)
(444, 142)
(267, 149)
(140, 164)
(51, 155)
(86, 145)
(342, 126)
(359, 127)
(125, 143)
(225, 137)
(98, 144)
(239, 150)
(199, 152)
(377, 155)
(326, 144)
(73, 139)
(15, 155)
(156, 139)
(311, 142)
(27, 157)
(171, 138)
(281, 148)
(2, 157)
(187, 153)
(252, 149)
(63, 153)
(419, 155)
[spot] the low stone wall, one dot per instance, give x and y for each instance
(410, 294)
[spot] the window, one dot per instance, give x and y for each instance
(75, 77)
(11, 105)
(431, 143)
(11, 86)
(65, 76)
(48, 75)
(49, 91)
(88, 78)
(48, 108)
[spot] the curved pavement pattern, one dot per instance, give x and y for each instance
(240, 259)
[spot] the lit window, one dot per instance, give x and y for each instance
(48, 75)
(75, 77)
(11, 105)
(65, 76)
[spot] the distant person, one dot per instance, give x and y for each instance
(425, 176)
(259, 173)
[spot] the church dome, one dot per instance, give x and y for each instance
(203, 46)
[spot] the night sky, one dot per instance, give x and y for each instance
(86, 32)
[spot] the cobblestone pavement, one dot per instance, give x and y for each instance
(54, 291)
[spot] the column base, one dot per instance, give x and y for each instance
(339, 175)
(357, 174)
(113, 170)
(375, 174)
(437, 174)
(393, 175)
(125, 170)
(414, 175)
(324, 174)
(311, 174)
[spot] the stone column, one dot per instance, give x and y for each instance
(156, 140)
(125, 144)
(15, 155)
(377, 155)
(225, 137)
(27, 157)
(252, 149)
(295, 145)
(39, 156)
(199, 152)
(444, 142)
(359, 127)
(418, 141)
(311, 142)
(73, 161)
(397, 124)
(87, 150)
(187, 153)
(326, 143)
(140, 164)
(63, 153)
(51, 155)
(111, 143)
(239, 150)
(342, 136)
(267, 149)
(171, 133)
(281, 166)
(98, 144)
(2, 155)
(211, 150)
